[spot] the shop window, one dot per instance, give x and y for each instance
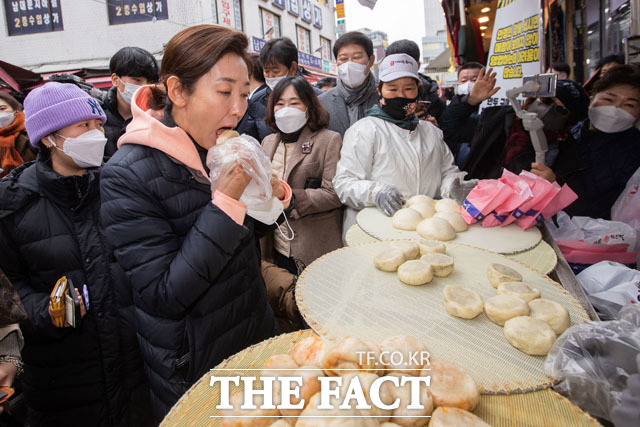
(326, 48)
(270, 24)
(228, 13)
(304, 39)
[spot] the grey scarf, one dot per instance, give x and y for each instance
(356, 98)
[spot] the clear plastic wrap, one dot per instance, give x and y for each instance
(594, 361)
(247, 152)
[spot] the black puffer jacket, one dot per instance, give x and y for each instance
(116, 124)
(253, 121)
(49, 228)
(198, 290)
(459, 122)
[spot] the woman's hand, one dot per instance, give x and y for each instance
(276, 187)
(234, 184)
(543, 171)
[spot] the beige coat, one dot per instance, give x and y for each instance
(316, 219)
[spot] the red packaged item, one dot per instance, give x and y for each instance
(483, 199)
(564, 198)
(540, 188)
(520, 193)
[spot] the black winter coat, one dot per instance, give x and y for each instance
(597, 166)
(116, 125)
(198, 290)
(49, 228)
(253, 121)
(459, 122)
(430, 93)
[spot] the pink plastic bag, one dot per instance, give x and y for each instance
(540, 187)
(483, 199)
(527, 221)
(520, 193)
(593, 253)
(564, 198)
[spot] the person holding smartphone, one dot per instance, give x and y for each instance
(304, 153)
(89, 374)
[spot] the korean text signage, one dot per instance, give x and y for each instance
(340, 8)
(515, 46)
(317, 17)
(294, 7)
(306, 11)
(128, 11)
(257, 44)
(33, 16)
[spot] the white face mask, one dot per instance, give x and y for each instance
(290, 119)
(273, 81)
(268, 213)
(6, 119)
(127, 93)
(465, 88)
(86, 150)
(610, 119)
(352, 74)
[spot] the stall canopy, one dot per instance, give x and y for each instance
(17, 79)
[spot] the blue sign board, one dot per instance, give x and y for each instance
(127, 11)
(317, 16)
(279, 3)
(309, 60)
(29, 17)
(294, 7)
(257, 44)
(306, 11)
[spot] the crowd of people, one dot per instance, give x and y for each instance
(173, 273)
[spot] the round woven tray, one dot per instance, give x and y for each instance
(541, 258)
(343, 294)
(540, 408)
(504, 240)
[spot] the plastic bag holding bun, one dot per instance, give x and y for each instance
(247, 152)
(598, 365)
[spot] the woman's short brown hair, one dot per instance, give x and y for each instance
(11, 101)
(192, 52)
(318, 116)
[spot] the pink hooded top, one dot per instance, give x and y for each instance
(147, 129)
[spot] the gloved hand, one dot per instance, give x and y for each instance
(389, 200)
(460, 189)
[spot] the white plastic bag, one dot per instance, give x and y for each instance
(627, 208)
(247, 152)
(594, 361)
(610, 286)
(592, 230)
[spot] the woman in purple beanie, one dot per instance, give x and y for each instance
(90, 373)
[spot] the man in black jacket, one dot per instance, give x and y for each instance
(279, 59)
(130, 68)
(460, 118)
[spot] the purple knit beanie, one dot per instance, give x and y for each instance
(54, 106)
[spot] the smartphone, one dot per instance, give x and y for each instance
(547, 84)
(313, 183)
(85, 292)
(72, 306)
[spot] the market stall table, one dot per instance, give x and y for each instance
(343, 294)
(540, 408)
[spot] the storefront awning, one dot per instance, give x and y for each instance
(18, 78)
